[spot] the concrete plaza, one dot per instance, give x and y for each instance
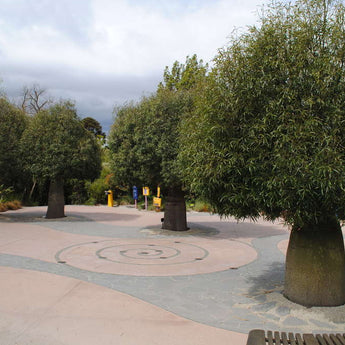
(111, 276)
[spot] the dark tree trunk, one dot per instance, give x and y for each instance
(175, 211)
(315, 265)
(56, 199)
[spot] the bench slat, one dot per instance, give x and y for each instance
(328, 339)
(320, 340)
(284, 339)
(309, 339)
(256, 337)
(277, 338)
(335, 339)
(299, 339)
(292, 339)
(341, 338)
(269, 338)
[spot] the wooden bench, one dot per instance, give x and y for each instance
(258, 337)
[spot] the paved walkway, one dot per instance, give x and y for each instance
(112, 276)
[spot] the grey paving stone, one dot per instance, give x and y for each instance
(283, 311)
(260, 298)
(321, 324)
(269, 317)
(294, 321)
(264, 306)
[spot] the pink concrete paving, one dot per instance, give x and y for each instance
(158, 257)
(196, 255)
(44, 309)
(142, 257)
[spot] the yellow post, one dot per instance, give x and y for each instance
(157, 201)
(110, 198)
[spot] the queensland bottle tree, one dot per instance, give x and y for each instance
(268, 138)
(144, 138)
(55, 147)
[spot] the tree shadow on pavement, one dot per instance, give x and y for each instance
(236, 230)
(270, 280)
(39, 216)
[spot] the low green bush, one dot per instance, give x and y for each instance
(7, 201)
(199, 206)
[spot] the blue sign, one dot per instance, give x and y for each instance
(135, 193)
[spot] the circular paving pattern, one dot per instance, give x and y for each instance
(158, 257)
(152, 254)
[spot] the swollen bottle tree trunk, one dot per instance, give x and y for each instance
(175, 211)
(315, 265)
(56, 199)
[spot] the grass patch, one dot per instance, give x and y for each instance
(199, 206)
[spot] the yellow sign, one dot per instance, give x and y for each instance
(146, 191)
(157, 202)
(158, 192)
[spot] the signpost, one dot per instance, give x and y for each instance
(146, 192)
(135, 196)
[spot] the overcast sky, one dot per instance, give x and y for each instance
(102, 53)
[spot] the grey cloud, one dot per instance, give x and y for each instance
(68, 46)
(66, 16)
(95, 94)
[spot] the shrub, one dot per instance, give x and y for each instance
(4, 193)
(10, 205)
(199, 205)
(125, 200)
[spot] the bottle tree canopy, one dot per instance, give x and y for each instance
(56, 147)
(269, 131)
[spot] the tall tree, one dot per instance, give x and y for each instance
(34, 99)
(55, 147)
(93, 126)
(12, 124)
(144, 138)
(269, 137)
